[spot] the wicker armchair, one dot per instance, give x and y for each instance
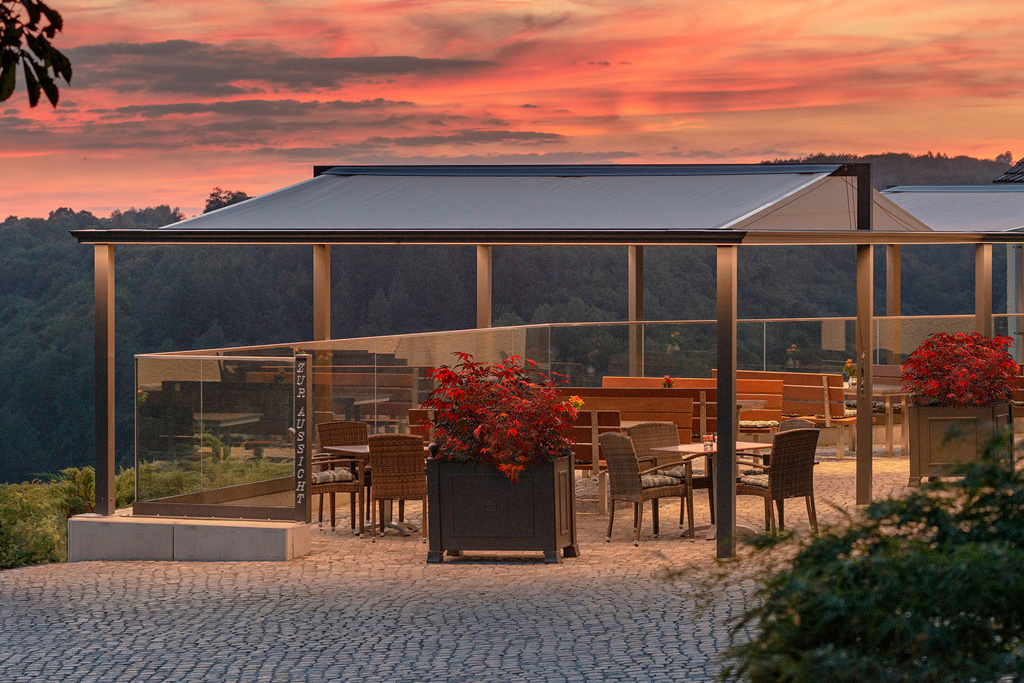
(333, 473)
(646, 437)
(790, 475)
(399, 473)
(630, 483)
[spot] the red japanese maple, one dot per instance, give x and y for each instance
(951, 370)
(506, 414)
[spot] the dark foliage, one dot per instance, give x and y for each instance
(927, 588)
(219, 198)
(26, 29)
(891, 168)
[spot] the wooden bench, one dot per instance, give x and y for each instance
(767, 390)
(813, 396)
(589, 426)
(641, 405)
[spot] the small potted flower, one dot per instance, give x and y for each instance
(850, 372)
(667, 382)
(501, 473)
(959, 387)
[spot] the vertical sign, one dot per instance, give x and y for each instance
(302, 403)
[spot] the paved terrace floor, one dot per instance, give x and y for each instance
(353, 610)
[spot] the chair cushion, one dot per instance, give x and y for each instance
(758, 424)
(650, 481)
(331, 476)
(755, 480)
(677, 472)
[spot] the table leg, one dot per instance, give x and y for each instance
(888, 425)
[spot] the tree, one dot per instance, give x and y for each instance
(26, 29)
(219, 198)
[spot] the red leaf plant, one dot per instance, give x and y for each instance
(953, 370)
(506, 414)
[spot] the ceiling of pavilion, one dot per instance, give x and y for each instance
(620, 198)
(963, 208)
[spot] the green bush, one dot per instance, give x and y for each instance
(929, 587)
(34, 515)
(31, 531)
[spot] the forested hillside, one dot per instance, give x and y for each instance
(172, 298)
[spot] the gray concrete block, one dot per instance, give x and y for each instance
(96, 537)
(211, 541)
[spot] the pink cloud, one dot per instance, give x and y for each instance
(170, 99)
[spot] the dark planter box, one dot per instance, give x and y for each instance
(476, 508)
(932, 456)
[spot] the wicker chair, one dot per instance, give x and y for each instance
(790, 475)
(399, 473)
(630, 483)
(795, 423)
(646, 437)
(334, 473)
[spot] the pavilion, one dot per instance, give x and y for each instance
(726, 206)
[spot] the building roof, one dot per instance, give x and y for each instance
(652, 203)
(1015, 174)
(963, 208)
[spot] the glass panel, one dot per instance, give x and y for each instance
(679, 349)
(586, 353)
(167, 402)
(807, 345)
(897, 337)
(213, 422)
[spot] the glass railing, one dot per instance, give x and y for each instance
(213, 433)
(213, 426)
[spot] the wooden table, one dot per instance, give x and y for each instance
(888, 392)
(694, 450)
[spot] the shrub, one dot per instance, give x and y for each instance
(924, 588)
(499, 415)
(34, 515)
(952, 370)
(31, 529)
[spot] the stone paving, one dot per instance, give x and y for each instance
(355, 610)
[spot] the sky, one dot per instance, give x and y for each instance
(170, 99)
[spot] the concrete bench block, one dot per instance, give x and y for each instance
(124, 537)
(237, 541)
(119, 537)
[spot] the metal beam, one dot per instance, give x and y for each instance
(483, 285)
(725, 459)
(323, 392)
(321, 292)
(865, 353)
(893, 299)
(1015, 297)
(103, 398)
(538, 237)
(636, 309)
(983, 289)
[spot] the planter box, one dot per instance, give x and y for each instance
(477, 508)
(932, 456)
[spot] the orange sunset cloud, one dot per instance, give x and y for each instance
(170, 99)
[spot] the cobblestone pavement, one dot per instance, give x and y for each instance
(353, 610)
